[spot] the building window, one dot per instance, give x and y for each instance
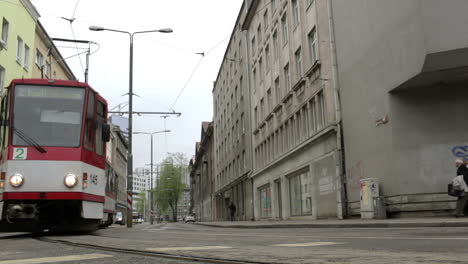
(240, 53)
(19, 50)
(2, 79)
(287, 78)
(269, 100)
(253, 46)
(242, 123)
(320, 110)
(255, 116)
(275, 45)
(300, 197)
(259, 34)
(298, 57)
(278, 90)
(313, 116)
(309, 2)
(267, 58)
(273, 6)
(254, 80)
(39, 59)
(241, 87)
(5, 28)
(284, 24)
(265, 20)
(313, 49)
(26, 57)
(260, 69)
(295, 5)
(262, 109)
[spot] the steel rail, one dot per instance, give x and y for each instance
(153, 253)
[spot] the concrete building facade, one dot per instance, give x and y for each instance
(117, 159)
(201, 175)
(402, 76)
(48, 62)
(18, 24)
(232, 130)
(297, 162)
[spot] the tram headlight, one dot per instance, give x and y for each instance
(16, 180)
(70, 180)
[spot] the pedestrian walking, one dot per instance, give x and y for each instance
(462, 170)
(232, 211)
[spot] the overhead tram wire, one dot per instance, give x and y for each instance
(73, 33)
(195, 69)
(74, 11)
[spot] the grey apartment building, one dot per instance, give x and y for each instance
(275, 124)
(232, 129)
(320, 94)
(297, 170)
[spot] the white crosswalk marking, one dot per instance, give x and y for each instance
(186, 248)
(55, 259)
(311, 244)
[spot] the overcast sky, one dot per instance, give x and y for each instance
(163, 63)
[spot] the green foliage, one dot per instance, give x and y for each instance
(140, 203)
(170, 187)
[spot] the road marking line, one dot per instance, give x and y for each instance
(311, 244)
(405, 238)
(55, 259)
(186, 248)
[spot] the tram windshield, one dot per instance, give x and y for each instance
(50, 115)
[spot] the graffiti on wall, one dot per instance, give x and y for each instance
(355, 174)
(460, 152)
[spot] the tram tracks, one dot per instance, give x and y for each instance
(148, 253)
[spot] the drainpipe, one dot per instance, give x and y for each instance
(341, 181)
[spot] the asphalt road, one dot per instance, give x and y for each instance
(300, 245)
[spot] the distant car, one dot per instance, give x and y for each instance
(140, 220)
(189, 218)
(119, 218)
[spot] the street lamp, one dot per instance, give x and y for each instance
(151, 170)
(130, 110)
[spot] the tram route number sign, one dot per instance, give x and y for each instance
(20, 153)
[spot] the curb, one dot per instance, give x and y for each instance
(354, 225)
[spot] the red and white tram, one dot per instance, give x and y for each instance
(52, 157)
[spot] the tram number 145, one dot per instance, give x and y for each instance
(94, 179)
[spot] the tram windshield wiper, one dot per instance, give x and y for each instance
(28, 139)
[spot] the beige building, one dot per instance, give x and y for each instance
(117, 159)
(297, 165)
(232, 129)
(201, 176)
(48, 62)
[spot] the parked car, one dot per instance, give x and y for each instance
(189, 218)
(119, 219)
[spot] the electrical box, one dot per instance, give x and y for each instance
(372, 204)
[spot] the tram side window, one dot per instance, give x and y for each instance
(89, 124)
(99, 124)
(4, 118)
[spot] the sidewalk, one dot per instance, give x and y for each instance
(347, 223)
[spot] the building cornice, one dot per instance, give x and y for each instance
(250, 14)
(31, 9)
